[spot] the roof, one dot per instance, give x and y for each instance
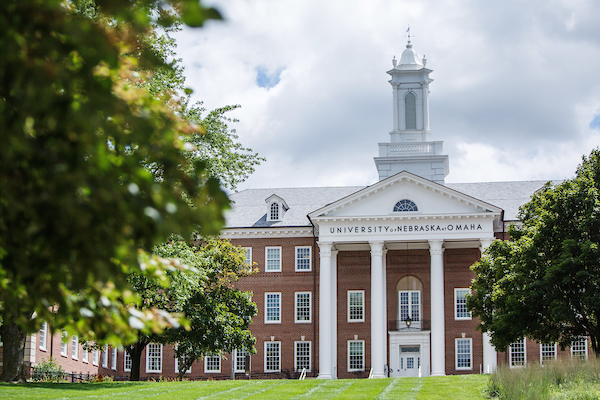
(249, 209)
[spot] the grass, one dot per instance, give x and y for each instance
(463, 387)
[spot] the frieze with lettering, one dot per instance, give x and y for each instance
(376, 229)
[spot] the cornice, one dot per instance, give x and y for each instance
(242, 233)
(406, 217)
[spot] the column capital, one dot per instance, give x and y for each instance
(376, 248)
(325, 248)
(435, 247)
(485, 243)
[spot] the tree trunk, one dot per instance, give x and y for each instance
(135, 351)
(13, 350)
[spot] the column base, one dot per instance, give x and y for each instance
(325, 376)
(378, 375)
(438, 374)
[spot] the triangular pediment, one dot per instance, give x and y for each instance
(379, 201)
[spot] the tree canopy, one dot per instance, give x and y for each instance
(79, 208)
(544, 283)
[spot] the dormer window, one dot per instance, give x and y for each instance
(276, 208)
(405, 205)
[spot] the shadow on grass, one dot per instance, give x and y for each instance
(75, 386)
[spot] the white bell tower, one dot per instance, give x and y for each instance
(411, 148)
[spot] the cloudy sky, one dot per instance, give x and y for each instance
(516, 94)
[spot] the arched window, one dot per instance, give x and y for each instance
(410, 110)
(274, 212)
(409, 301)
(405, 205)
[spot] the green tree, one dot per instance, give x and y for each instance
(544, 283)
(77, 204)
(217, 314)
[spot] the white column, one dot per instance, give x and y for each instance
(438, 331)
(490, 357)
(384, 334)
(395, 91)
(425, 105)
(325, 311)
(334, 314)
(377, 304)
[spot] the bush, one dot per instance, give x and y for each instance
(48, 371)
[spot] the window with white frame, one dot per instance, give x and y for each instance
(273, 308)
(248, 257)
(183, 361)
(272, 356)
(356, 355)
(113, 359)
(84, 356)
(463, 353)
(303, 258)
(302, 355)
(274, 212)
(126, 361)
(303, 305)
(105, 357)
(547, 352)
(356, 305)
(44, 336)
(64, 345)
(579, 348)
(95, 357)
(517, 353)
(75, 347)
(212, 364)
(240, 360)
(460, 304)
(154, 357)
(273, 259)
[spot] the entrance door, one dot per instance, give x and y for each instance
(410, 361)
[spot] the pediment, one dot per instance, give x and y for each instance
(378, 201)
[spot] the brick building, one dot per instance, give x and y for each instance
(353, 280)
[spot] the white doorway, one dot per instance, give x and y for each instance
(410, 361)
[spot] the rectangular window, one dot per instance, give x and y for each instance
(240, 360)
(84, 356)
(517, 353)
(464, 353)
(248, 257)
(460, 304)
(113, 359)
(105, 357)
(212, 364)
(95, 357)
(43, 336)
(273, 259)
(356, 355)
(547, 352)
(303, 305)
(272, 356)
(303, 258)
(154, 358)
(75, 347)
(272, 308)
(356, 305)
(302, 356)
(126, 361)
(579, 349)
(64, 346)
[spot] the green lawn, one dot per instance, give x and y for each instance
(462, 387)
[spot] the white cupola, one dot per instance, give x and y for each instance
(411, 148)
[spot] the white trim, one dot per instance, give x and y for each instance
(273, 321)
(152, 347)
(211, 371)
(348, 355)
(267, 344)
(456, 317)
(510, 353)
(554, 352)
(248, 257)
(456, 353)
(296, 320)
(105, 356)
(309, 248)
(242, 355)
(362, 292)
(95, 357)
(296, 343)
(64, 344)
(85, 356)
(113, 358)
(127, 356)
(240, 233)
(44, 330)
(585, 344)
(75, 347)
(278, 268)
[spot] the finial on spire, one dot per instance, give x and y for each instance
(409, 45)
(394, 61)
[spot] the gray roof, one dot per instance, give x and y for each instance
(249, 208)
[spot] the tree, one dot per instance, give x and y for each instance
(78, 207)
(544, 283)
(217, 314)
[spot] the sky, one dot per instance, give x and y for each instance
(516, 91)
